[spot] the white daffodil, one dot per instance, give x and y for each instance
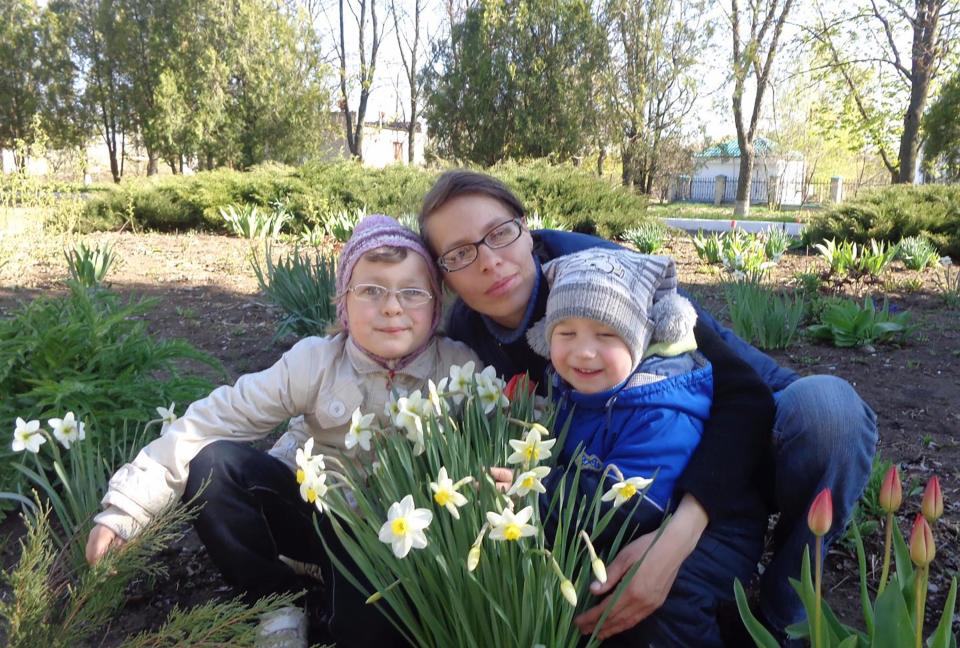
(508, 525)
(167, 415)
(460, 379)
(530, 450)
(311, 475)
(26, 436)
(491, 395)
(404, 527)
(529, 481)
(445, 492)
(360, 431)
(432, 404)
(408, 419)
(67, 430)
(391, 408)
(624, 490)
(569, 592)
(308, 461)
(946, 261)
(489, 376)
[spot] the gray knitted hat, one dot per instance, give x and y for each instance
(634, 294)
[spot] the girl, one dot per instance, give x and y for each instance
(253, 521)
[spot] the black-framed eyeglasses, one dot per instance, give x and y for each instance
(408, 297)
(500, 236)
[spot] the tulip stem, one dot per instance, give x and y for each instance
(921, 587)
(886, 554)
(817, 641)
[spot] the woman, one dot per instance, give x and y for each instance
(823, 435)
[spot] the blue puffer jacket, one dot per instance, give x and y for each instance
(649, 430)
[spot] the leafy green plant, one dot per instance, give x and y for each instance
(51, 601)
(250, 222)
(648, 237)
(744, 256)
(917, 253)
(340, 225)
(88, 267)
(842, 258)
(709, 248)
(315, 236)
(761, 316)
(809, 283)
(410, 221)
(88, 352)
(304, 287)
(536, 221)
(776, 242)
(844, 323)
(948, 282)
(877, 259)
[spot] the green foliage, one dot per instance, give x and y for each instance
(766, 318)
(776, 241)
(877, 259)
(948, 282)
(316, 193)
(247, 221)
(894, 213)
(89, 353)
(54, 602)
(942, 131)
(88, 267)
(917, 253)
(515, 81)
(304, 288)
(842, 258)
(536, 221)
(340, 225)
(845, 324)
(709, 248)
(648, 237)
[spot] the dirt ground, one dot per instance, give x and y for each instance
(209, 295)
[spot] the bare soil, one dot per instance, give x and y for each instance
(208, 294)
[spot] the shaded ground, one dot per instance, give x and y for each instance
(207, 294)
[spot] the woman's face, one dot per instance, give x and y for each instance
(499, 282)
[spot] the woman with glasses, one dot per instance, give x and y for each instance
(823, 435)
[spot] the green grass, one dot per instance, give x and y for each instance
(724, 212)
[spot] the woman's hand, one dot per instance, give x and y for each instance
(502, 477)
(101, 540)
(654, 578)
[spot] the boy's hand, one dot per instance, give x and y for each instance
(502, 477)
(100, 540)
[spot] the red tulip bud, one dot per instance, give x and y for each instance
(511, 389)
(932, 504)
(820, 516)
(891, 492)
(922, 548)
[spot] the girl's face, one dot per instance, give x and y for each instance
(589, 355)
(385, 327)
(500, 281)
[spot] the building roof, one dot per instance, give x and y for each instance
(731, 149)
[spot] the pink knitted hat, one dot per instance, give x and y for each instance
(373, 232)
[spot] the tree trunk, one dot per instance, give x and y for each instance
(601, 158)
(925, 44)
(152, 167)
(742, 205)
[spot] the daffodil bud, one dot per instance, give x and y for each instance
(541, 429)
(373, 598)
(473, 558)
(599, 570)
(569, 593)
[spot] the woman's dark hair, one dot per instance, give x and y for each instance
(462, 182)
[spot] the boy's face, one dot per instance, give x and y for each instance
(385, 327)
(589, 355)
(499, 282)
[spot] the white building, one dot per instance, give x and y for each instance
(778, 175)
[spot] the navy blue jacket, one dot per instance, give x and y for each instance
(722, 473)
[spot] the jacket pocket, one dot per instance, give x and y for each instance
(335, 406)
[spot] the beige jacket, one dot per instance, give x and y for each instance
(318, 383)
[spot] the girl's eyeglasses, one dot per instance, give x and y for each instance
(406, 296)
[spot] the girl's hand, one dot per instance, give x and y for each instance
(502, 477)
(100, 540)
